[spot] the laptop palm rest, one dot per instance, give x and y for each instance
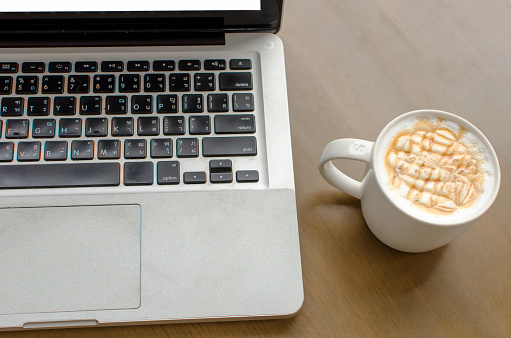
(69, 258)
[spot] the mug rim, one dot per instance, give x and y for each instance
(381, 177)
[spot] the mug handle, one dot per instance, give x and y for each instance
(346, 148)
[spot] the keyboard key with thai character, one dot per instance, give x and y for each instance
(242, 102)
(70, 127)
(179, 82)
(27, 84)
(148, 126)
(117, 104)
(187, 147)
(174, 125)
(138, 173)
(96, 127)
(6, 151)
(161, 148)
(55, 150)
(38, 106)
(109, 149)
(64, 105)
(122, 126)
(16, 128)
(43, 128)
(218, 103)
(129, 83)
(192, 103)
(204, 82)
(154, 82)
(82, 150)
(199, 125)
(141, 104)
(5, 85)
(135, 148)
(104, 83)
(78, 84)
(12, 106)
(167, 104)
(53, 84)
(90, 105)
(29, 151)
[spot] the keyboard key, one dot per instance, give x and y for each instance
(204, 82)
(43, 128)
(70, 127)
(27, 84)
(154, 82)
(220, 177)
(116, 104)
(235, 124)
(179, 82)
(112, 66)
(189, 64)
(243, 102)
(122, 126)
(5, 85)
(38, 106)
(148, 126)
(167, 104)
(135, 148)
(96, 127)
(229, 146)
(141, 104)
(138, 66)
(6, 151)
(216, 166)
(8, 67)
(12, 106)
(161, 148)
(199, 125)
(78, 84)
(240, 64)
(33, 67)
(218, 103)
(215, 65)
(168, 172)
(104, 83)
(86, 66)
(109, 149)
(187, 147)
(246, 176)
(174, 125)
(82, 150)
(235, 81)
(138, 173)
(194, 177)
(90, 105)
(53, 84)
(164, 65)
(29, 151)
(55, 150)
(129, 83)
(192, 103)
(59, 67)
(16, 128)
(64, 105)
(59, 175)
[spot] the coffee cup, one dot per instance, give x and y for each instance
(431, 175)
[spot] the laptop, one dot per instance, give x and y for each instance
(145, 164)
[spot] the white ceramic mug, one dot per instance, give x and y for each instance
(400, 227)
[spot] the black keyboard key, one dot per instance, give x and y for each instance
(194, 177)
(59, 175)
(154, 82)
(53, 84)
(64, 105)
(164, 65)
(235, 81)
(199, 125)
(38, 106)
(204, 82)
(247, 176)
(187, 147)
(33, 67)
(141, 104)
(29, 151)
(174, 125)
(243, 102)
(86, 66)
(8, 67)
(96, 127)
(229, 146)
(55, 150)
(129, 83)
(218, 103)
(27, 84)
(235, 124)
(16, 128)
(5, 85)
(138, 173)
(112, 66)
(109, 149)
(82, 150)
(220, 177)
(189, 64)
(138, 66)
(240, 64)
(70, 127)
(116, 104)
(135, 148)
(192, 103)
(104, 83)
(215, 64)
(43, 128)
(78, 84)
(168, 172)
(218, 166)
(12, 106)
(59, 67)
(179, 82)
(122, 126)
(161, 148)
(90, 105)
(6, 151)
(167, 104)
(148, 126)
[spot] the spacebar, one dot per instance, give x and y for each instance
(59, 175)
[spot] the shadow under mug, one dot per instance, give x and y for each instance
(396, 226)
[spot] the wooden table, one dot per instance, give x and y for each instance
(352, 66)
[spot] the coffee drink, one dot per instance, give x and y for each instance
(432, 165)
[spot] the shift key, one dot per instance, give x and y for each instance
(229, 146)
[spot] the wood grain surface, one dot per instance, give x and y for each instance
(352, 66)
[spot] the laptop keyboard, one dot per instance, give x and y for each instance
(140, 122)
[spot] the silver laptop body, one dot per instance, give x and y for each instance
(162, 251)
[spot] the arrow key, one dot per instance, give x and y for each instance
(194, 177)
(246, 176)
(221, 177)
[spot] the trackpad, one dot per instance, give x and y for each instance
(69, 258)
